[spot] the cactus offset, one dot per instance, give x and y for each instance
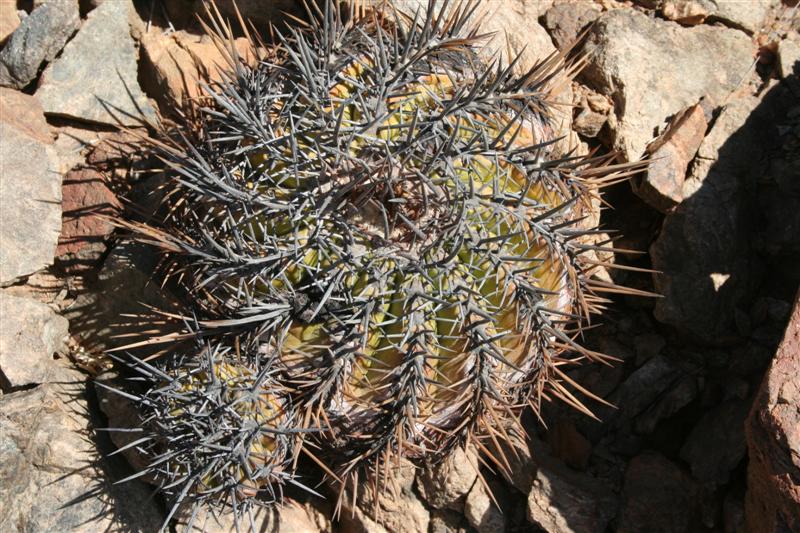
(378, 218)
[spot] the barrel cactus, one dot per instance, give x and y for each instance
(380, 252)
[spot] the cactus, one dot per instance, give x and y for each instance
(377, 219)
(216, 428)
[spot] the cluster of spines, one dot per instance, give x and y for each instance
(330, 191)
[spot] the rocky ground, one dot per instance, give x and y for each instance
(705, 432)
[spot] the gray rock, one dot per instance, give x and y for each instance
(52, 478)
(566, 502)
(95, 79)
(645, 386)
(749, 16)
(564, 21)
(446, 485)
(31, 333)
(444, 521)
(481, 511)
(397, 509)
(678, 394)
(123, 287)
(121, 414)
(658, 496)
(289, 517)
(30, 204)
(633, 54)
(518, 454)
(39, 38)
(716, 444)
(705, 250)
(779, 191)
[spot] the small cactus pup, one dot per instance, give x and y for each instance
(217, 430)
(380, 213)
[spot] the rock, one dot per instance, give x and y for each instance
(24, 113)
(53, 479)
(444, 521)
(733, 512)
(705, 251)
(598, 102)
(687, 13)
(397, 509)
(563, 502)
(84, 231)
(122, 414)
(289, 517)
(39, 38)
(565, 21)
(645, 385)
(9, 19)
(567, 444)
(680, 392)
(175, 63)
(670, 155)
(183, 12)
(95, 79)
(647, 346)
(517, 453)
(30, 197)
(779, 188)
(445, 486)
(31, 333)
(658, 496)
(514, 25)
(406, 514)
(749, 16)
(588, 123)
(772, 502)
(123, 287)
(716, 444)
(789, 58)
(481, 512)
(73, 143)
(631, 53)
(114, 150)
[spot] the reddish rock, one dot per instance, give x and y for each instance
(175, 63)
(24, 112)
(658, 496)
(773, 439)
(567, 443)
(84, 230)
(670, 156)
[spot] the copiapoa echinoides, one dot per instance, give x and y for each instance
(379, 252)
